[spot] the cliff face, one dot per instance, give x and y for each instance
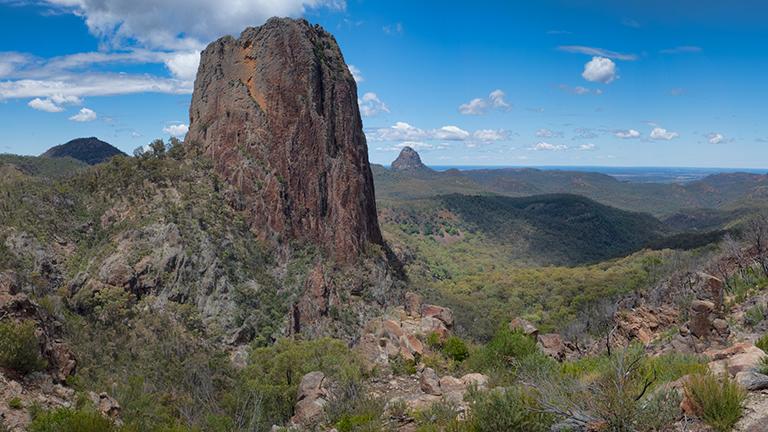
(276, 110)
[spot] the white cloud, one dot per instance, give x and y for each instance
(497, 98)
(715, 138)
(46, 105)
(370, 105)
(627, 134)
(183, 65)
(488, 135)
(98, 84)
(180, 24)
(396, 28)
(579, 90)
(545, 146)
(450, 133)
(597, 52)
(11, 61)
(400, 131)
(477, 106)
(600, 69)
(356, 73)
(177, 130)
(85, 115)
(662, 134)
(54, 103)
(587, 147)
(547, 133)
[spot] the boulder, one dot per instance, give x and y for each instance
(752, 380)
(737, 358)
(477, 380)
(700, 323)
(105, 404)
(413, 304)
(312, 397)
(442, 313)
(429, 382)
(552, 345)
(523, 326)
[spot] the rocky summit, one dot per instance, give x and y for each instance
(89, 150)
(276, 110)
(408, 160)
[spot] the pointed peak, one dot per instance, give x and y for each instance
(408, 160)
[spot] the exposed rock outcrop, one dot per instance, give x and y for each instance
(276, 110)
(409, 161)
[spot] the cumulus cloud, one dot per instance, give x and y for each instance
(545, 146)
(477, 106)
(498, 100)
(627, 134)
(370, 105)
(450, 133)
(183, 65)
(356, 73)
(547, 133)
(180, 24)
(53, 103)
(597, 52)
(715, 138)
(659, 133)
(587, 147)
(46, 105)
(600, 69)
(488, 135)
(177, 130)
(85, 115)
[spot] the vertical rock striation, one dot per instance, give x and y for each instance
(276, 110)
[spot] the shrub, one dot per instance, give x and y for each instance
(351, 409)
(402, 367)
(511, 410)
(440, 416)
(15, 403)
(717, 401)
(762, 343)
(755, 315)
(66, 419)
(501, 356)
(762, 367)
(455, 349)
(20, 348)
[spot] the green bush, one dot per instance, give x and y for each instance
(351, 409)
(20, 348)
(439, 416)
(762, 367)
(511, 410)
(402, 367)
(65, 420)
(719, 402)
(501, 356)
(755, 315)
(15, 403)
(455, 349)
(762, 343)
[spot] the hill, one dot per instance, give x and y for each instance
(89, 150)
(39, 166)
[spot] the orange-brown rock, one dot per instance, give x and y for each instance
(276, 111)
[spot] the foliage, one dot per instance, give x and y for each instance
(755, 315)
(351, 409)
(501, 356)
(455, 349)
(718, 401)
(511, 410)
(274, 372)
(66, 419)
(19, 347)
(401, 366)
(15, 403)
(439, 416)
(762, 343)
(762, 367)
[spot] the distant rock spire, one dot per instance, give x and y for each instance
(408, 160)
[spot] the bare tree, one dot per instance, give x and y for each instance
(757, 236)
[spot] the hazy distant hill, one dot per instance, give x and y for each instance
(38, 166)
(89, 150)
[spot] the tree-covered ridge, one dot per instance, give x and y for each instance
(39, 166)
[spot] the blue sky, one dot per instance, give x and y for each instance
(630, 83)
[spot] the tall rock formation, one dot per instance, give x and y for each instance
(408, 160)
(276, 110)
